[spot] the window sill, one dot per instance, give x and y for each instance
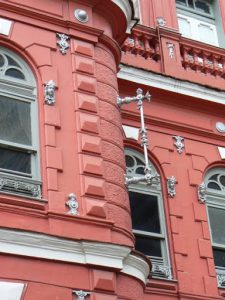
(19, 201)
(162, 284)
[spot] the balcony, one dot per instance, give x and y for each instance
(165, 51)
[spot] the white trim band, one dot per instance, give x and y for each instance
(92, 253)
(170, 84)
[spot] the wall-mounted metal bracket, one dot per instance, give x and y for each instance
(149, 177)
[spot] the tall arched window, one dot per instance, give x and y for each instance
(19, 166)
(215, 199)
(147, 213)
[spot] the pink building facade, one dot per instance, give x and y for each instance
(97, 200)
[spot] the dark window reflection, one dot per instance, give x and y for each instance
(144, 212)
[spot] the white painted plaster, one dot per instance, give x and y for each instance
(222, 152)
(5, 26)
(131, 132)
(91, 253)
(11, 290)
(170, 84)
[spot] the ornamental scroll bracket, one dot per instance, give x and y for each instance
(149, 176)
(202, 193)
(171, 182)
(81, 294)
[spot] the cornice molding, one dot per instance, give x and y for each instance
(171, 84)
(81, 252)
(128, 10)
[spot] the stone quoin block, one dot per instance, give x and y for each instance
(113, 173)
(85, 83)
(56, 201)
(180, 244)
(105, 57)
(92, 164)
(211, 267)
(94, 186)
(52, 116)
(205, 248)
(54, 158)
(96, 208)
(106, 75)
(89, 123)
(199, 211)
(83, 48)
(50, 135)
(104, 280)
(110, 113)
(90, 143)
(113, 153)
(52, 179)
(107, 92)
(199, 163)
(205, 230)
(117, 195)
(195, 177)
(174, 224)
(84, 65)
(86, 102)
(111, 133)
(210, 284)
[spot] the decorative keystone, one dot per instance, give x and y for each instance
(81, 294)
(63, 42)
(171, 181)
(72, 204)
(179, 143)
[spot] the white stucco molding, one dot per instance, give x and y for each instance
(5, 26)
(170, 84)
(11, 290)
(129, 9)
(81, 252)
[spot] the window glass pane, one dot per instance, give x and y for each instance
(191, 3)
(15, 73)
(15, 121)
(2, 61)
(202, 7)
(222, 180)
(12, 62)
(219, 257)
(129, 161)
(217, 224)
(148, 246)
(140, 170)
(15, 161)
(144, 212)
(213, 185)
(181, 2)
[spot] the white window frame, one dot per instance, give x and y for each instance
(24, 90)
(197, 19)
(161, 267)
(216, 199)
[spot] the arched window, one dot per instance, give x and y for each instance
(215, 199)
(19, 167)
(147, 215)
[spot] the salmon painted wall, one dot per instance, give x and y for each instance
(82, 150)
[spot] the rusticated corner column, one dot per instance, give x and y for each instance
(95, 59)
